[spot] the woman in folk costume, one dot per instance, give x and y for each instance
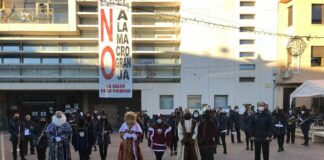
(159, 139)
(187, 132)
(130, 133)
(58, 133)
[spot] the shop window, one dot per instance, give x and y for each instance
(166, 102)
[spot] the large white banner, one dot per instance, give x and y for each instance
(115, 49)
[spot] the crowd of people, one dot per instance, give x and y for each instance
(188, 136)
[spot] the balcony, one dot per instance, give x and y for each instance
(171, 3)
(88, 14)
(88, 2)
(27, 15)
(22, 73)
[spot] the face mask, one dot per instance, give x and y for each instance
(98, 117)
(302, 112)
(104, 117)
(290, 112)
(261, 109)
(159, 121)
(196, 115)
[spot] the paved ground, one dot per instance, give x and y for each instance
(235, 151)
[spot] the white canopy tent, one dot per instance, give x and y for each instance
(310, 88)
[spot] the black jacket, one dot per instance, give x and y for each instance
(31, 126)
(222, 122)
(305, 121)
(235, 118)
(279, 125)
(103, 126)
(172, 122)
(84, 136)
(247, 121)
(40, 141)
(261, 126)
(16, 127)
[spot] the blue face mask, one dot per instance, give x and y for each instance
(159, 121)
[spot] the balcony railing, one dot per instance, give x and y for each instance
(26, 15)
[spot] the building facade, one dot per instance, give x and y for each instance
(303, 19)
(181, 57)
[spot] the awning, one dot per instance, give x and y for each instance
(310, 88)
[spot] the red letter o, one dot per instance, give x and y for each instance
(102, 63)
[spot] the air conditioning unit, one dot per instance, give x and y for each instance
(285, 73)
(164, 36)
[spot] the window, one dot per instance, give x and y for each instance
(221, 101)
(247, 66)
(166, 102)
(246, 54)
(11, 60)
(89, 61)
(32, 61)
(247, 79)
(247, 29)
(317, 56)
(194, 101)
(31, 48)
(10, 48)
(290, 15)
(247, 3)
(317, 14)
(51, 61)
(145, 60)
(247, 16)
(70, 60)
(246, 41)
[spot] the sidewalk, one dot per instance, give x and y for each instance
(235, 151)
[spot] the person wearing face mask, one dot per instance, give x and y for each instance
(280, 124)
(261, 125)
(159, 138)
(223, 122)
(173, 123)
(41, 141)
(83, 140)
(58, 133)
(16, 136)
(247, 116)
(235, 129)
(195, 116)
(95, 120)
(304, 123)
(291, 126)
(29, 126)
(187, 132)
(207, 136)
(103, 134)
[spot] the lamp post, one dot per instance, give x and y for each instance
(275, 83)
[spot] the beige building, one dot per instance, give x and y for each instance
(304, 19)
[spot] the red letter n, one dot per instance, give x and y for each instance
(104, 24)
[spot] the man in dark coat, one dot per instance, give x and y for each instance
(83, 141)
(291, 127)
(103, 133)
(16, 136)
(41, 141)
(223, 122)
(173, 122)
(207, 136)
(235, 129)
(304, 123)
(29, 126)
(261, 131)
(280, 124)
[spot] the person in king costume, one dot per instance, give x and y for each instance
(130, 133)
(187, 132)
(59, 133)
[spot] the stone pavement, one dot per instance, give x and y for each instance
(235, 151)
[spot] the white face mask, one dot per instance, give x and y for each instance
(196, 115)
(302, 112)
(261, 109)
(290, 112)
(159, 121)
(237, 110)
(98, 117)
